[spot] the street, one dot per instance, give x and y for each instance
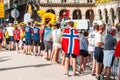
(18, 66)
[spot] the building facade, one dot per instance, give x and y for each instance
(79, 9)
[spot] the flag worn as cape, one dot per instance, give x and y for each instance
(70, 41)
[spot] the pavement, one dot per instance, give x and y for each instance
(18, 66)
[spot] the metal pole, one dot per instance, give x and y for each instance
(15, 14)
(1, 21)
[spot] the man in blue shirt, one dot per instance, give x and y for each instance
(36, 39)
(48, 40)
(28, 39)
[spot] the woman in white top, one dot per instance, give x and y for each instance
(56, 45)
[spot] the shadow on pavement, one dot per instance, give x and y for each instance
(4, 57)
(5, 60)
(19, 67)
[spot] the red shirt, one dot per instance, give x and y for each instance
(41, 34)
(117, 50)
(16, 34)
(1, 34)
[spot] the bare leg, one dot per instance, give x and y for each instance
(52, 55)
(56, 54)
(74, 65)
(119, 74)
(39, 50)
(67, 60)
(84, 62)
(63, 59)
(108, 73)
(81, 63)
(94, 66)
(97, 68)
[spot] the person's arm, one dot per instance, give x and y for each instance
(100, 44)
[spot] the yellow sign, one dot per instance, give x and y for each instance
(1, 10)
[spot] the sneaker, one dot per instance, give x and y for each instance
(67, 74)
(75, 74)
(92, 74)
(97, 77)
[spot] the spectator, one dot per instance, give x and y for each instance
(1, 37)
(36, 40)
(109, 45)
(98, 52)
(83, 51)
(117, 55)
(91, 47)
(70, 45)
(48, 41)
(10, 29)
(28, 39)
(16, 34)
(56, 45)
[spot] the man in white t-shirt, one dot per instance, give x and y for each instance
(91, 47)
(11, 38)
(98, 52)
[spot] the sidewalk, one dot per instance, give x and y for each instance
(15, 66)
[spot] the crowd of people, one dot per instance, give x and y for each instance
(99, 47)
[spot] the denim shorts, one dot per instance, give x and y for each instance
(28, 41)
(11, 38)
(98, 54)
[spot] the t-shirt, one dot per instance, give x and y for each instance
(10, 31)
(98, 38)
(55, 34)
(16, 34)
(91, 40)
(83, 44)
(110, 42)
(48, 34)
(28, 32)
(36, 34)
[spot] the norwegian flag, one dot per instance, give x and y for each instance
(70, 41)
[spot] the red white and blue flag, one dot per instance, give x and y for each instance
(70, 41)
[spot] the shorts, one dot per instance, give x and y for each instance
(7, 41)
(72, 55)
(83, 53)
(17, 41)
(48, 45)
(98, 54)
(20, 42)
(36, 42)
(11, 38)
(55, 44)
(0, 40)
(28, 41)
(108, 58)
